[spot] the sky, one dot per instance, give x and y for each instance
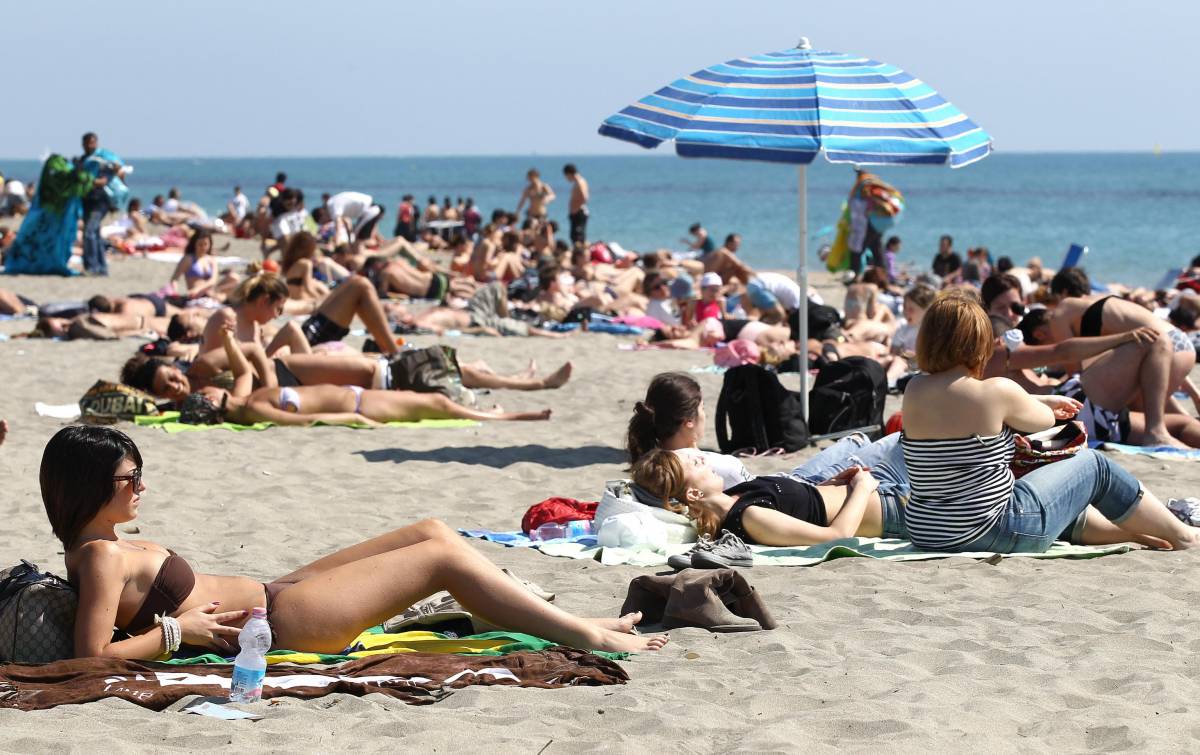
(524, 77)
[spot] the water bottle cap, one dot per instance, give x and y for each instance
(258, 613)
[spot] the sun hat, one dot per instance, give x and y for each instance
(711, 279)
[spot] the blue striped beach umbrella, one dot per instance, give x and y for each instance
(786, 107)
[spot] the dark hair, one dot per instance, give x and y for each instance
(281, 177)
(198, 409)
(302, 245)
(729, 239)
(995, 285)
(139, 371)
(89, 135)
(134, 205)
(876, 275)
(173, 193)
(1195, 261)
(547, 275)
(672, 399)
(947, 238)
(1184, 319)
(406, 198)
(1004, 264)
(100, 303)
(194, 241)
(76, 475)
(694, 227)
(891, 242)
(1072, 281)
(921, 295)
(1033, 319)
(176, 330)
(651, 281)
(570, 169)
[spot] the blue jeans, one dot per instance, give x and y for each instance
(1051, 503)
(884, 458)
(94, 259)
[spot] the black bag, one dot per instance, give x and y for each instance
(848, 394)
(755, 412)
(823, 322)
(37, 615)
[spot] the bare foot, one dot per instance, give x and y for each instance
(617, 642)
(624, 625)
(3, 430)
(1165, 439)
(559, 377)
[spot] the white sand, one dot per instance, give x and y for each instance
(954, 654)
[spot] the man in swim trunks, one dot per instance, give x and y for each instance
(398, 276)
(577, 209)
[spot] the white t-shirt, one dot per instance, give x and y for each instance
(241, 205)
(349, 204)
(783, 288)
(730, 469)
(663, 310)
(288, 223)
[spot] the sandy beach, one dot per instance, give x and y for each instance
(1027, 655)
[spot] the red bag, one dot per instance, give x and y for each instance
(558, 511)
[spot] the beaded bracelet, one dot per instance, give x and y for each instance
(172, 632)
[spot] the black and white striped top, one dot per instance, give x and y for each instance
(959, 487)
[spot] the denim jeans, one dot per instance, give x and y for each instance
(94, 259)
(1051, 503)
(884, 458)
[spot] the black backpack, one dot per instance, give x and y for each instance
(847, 395)
(755, 412)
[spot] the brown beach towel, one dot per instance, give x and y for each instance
(720, 600)
(414, 678)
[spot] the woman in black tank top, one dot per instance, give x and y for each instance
(768, 510)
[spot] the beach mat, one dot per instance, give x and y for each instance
(1155, 452)
(413, 678)
(169, 421)
(769, 555)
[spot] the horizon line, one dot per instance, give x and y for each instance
(564, 155)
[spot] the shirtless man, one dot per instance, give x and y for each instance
(538, 194)
(577, 208)
(399, 277)
(1154, 371)
(725, 262)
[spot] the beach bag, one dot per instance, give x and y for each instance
(756, 413)
(433, 369)
(621, 497)
(824, 322)
(37, 615)
(1039, 449)
(848, 394)
(106, 403)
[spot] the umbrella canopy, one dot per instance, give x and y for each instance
(788, 106)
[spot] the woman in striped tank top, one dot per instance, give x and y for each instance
(958, 444)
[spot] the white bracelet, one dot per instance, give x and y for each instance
(172, 632)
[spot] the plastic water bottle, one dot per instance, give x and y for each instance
(250, 666)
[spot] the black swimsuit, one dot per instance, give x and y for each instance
(1093, 319)
(798, 500)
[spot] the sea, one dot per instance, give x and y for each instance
(1138, 214)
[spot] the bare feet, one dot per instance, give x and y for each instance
(1164, 439)
(499, 413)
(618, 642)
(559, 377)
(624, 625)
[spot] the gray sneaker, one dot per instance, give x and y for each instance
(684, 560)
(727, 551)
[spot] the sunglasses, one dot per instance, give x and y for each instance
(134, 478)
(1017, 309)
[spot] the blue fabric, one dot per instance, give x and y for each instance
(787, 106)
(521, 540)
(43, 244)
(105, 162)
(94, 258)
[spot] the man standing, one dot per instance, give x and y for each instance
(406, 219)
(95, 206)
(538, 194)
(578, 207)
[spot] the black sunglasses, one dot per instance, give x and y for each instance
(134, 477)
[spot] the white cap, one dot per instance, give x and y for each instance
(711, 279)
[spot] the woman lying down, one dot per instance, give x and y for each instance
(91, 481)
(332, 404)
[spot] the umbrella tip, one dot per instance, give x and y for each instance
(803, 44)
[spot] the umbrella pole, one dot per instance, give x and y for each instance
(802, 279)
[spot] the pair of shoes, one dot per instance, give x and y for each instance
(726, 551)
(1186, 509)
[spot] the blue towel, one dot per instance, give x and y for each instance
(521, 540)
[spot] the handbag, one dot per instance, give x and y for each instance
(106, 403)
(433, 369)
(1039, 449)
(37, 615)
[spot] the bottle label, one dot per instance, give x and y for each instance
(246, 686)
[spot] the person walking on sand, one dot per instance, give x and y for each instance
(537, 194)
(96, 205)
(577, 208)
